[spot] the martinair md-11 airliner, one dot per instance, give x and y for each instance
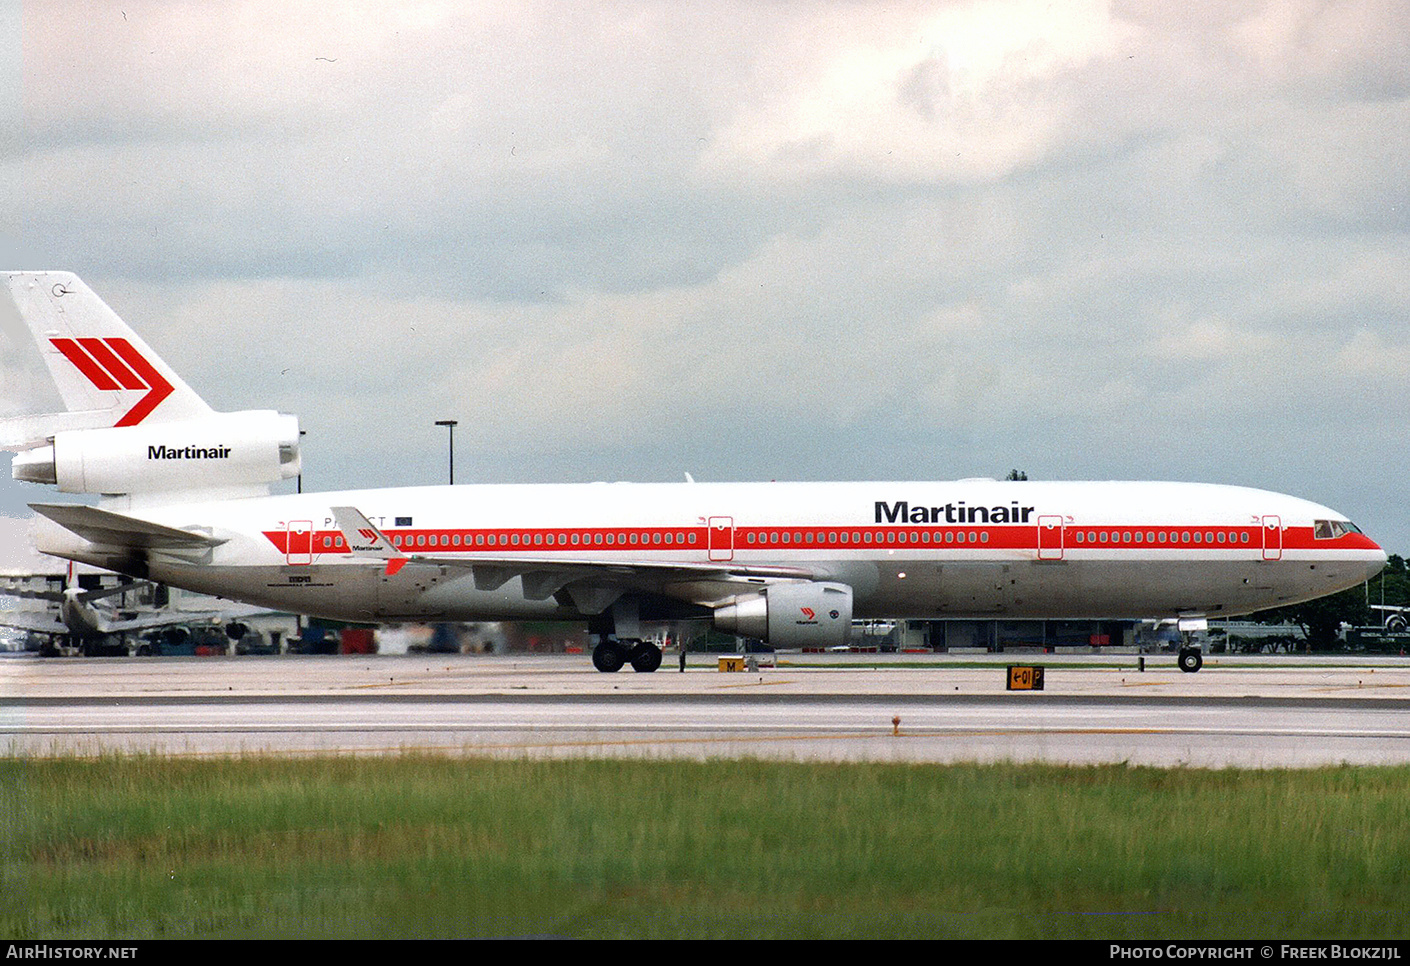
(185, 500)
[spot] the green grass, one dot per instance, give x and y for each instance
(137, 847)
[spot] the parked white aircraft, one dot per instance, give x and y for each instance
(82, 618)
(1394, 618)
(185, 502)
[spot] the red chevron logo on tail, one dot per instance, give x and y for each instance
(113, 365)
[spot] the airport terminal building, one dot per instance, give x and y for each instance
(1000, 635)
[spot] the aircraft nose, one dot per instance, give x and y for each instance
(1377, 562)
(1375, 559)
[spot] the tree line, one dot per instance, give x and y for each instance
(1321, 619)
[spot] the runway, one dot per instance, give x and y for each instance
(1247, 712)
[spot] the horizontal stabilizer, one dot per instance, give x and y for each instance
(26, 432)
(115, 529)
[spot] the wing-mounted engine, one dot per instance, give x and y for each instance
(219, 451)
(801, 613)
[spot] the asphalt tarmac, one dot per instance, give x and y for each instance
(1238, 711)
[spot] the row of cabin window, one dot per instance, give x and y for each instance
(804, 537)
(536, 539)
(869, 536)
(1160, 536)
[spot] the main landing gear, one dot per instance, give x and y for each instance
(611, 654)
(616, 630)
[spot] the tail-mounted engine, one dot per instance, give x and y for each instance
(222, 450)
(791, 614)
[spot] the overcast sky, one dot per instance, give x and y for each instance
(764, 240)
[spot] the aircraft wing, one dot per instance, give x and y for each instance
(544, 577)
(39, 621)
(160, 619)
(45, 622)
(582, 579)
(365, 538)
(14, 587)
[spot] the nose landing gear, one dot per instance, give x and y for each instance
(1191, 660)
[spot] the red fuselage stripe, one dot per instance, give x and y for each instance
(533, 540)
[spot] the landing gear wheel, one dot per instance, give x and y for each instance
(608, 657)
(645, 657)
(1191, 661)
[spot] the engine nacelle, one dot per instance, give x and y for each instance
(209, 452)
(791, 614)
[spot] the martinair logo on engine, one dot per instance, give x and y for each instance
(188, 452)
(113, 365)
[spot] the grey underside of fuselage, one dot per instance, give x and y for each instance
(928, 589)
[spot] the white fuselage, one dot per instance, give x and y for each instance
(907, 549)
(183, 504)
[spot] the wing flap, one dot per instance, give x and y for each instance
(491, 572)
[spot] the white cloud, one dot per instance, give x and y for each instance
(1210, 340)
(1370, 355)
(808, 239)
(956, 92)
(17, 551)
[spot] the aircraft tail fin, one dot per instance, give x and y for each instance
(105, 373)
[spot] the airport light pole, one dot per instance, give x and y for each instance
(450, 425)
(302, 434)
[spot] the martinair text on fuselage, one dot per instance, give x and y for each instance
(902, 512)
(898, 512)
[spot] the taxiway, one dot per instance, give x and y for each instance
(1248, 712)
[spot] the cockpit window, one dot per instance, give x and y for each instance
(1331, 529)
